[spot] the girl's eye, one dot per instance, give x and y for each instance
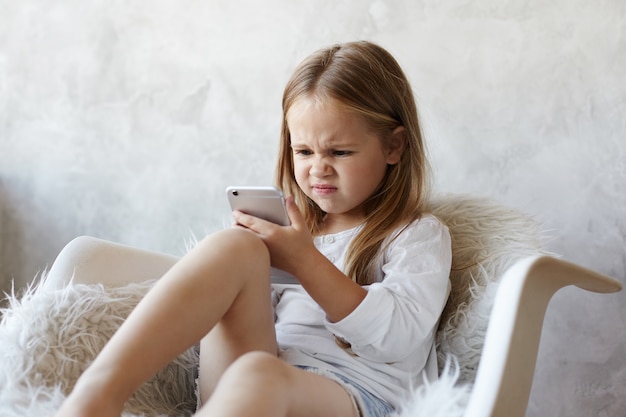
(302, 152)
(341, 153)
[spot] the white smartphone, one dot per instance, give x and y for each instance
(266, 203)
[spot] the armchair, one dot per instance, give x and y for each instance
(502, 282)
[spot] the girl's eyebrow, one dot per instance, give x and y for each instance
(298, 145)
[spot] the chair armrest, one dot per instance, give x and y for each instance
(89, 260)
(507, 363)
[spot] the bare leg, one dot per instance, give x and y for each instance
(261, 385)
(223, 280)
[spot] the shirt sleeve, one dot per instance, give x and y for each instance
(397, 318)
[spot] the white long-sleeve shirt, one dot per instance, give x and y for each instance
(392, 331)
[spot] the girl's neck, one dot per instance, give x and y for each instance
(335, 224)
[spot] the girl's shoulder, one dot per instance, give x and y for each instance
(427, 229)
(427, 223)
(430, 219)
(422, 243)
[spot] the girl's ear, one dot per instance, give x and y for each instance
(396, 144)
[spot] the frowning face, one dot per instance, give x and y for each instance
(339, 161)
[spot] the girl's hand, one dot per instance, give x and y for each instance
(287, 244)
(292, 250)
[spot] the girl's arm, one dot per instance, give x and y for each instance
(398, 318)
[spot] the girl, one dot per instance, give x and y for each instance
(358, 333)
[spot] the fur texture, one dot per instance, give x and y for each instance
(49, 337)
(442, 398)
(487, 239)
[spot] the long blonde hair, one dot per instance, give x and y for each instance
(367, 79)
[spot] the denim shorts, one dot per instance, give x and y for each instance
(367, 404)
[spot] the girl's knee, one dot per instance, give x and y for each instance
(261, 369)
(238, 243)
(237, 255)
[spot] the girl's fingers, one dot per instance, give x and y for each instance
(248, 221)
(297, 220)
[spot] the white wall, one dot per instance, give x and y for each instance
(126, 120)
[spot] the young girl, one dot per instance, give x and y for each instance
(358, 333)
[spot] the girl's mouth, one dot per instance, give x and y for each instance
(324, 189)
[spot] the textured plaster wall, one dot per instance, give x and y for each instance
(126, 121)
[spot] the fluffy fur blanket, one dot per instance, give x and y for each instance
(48, 337)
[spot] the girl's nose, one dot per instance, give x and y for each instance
(319, 167)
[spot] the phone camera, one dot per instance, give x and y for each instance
(235, 193)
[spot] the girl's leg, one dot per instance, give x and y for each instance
(261, 385)
(224, 281)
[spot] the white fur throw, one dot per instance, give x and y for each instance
(487, 239)
(48, 337)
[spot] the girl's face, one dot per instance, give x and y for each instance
(339, 161)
